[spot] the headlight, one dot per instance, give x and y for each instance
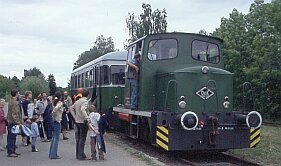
(226, 104)
(254, 120)
(205, 69)
(182, 104)
(189, 120)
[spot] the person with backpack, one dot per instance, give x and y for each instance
(48, 119)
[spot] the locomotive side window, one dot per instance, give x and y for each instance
(205, 51)
(162, 49)
(117, 74)
(105, 75)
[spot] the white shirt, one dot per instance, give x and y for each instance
(94, 119)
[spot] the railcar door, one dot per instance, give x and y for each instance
(98, 86)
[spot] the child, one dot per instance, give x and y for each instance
(94, 134)
(35, 133)
(2, 124)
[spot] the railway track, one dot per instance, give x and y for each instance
(216, 159)
(271, 124)
(186, 158)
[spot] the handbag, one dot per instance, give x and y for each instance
(26, 131)
(16, 129)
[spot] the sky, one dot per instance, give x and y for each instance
(51, 34)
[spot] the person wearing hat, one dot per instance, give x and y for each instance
(133, 76)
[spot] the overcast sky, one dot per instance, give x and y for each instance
(50, 34)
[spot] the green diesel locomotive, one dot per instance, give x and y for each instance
(185, 97)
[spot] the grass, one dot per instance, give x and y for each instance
(268, 151)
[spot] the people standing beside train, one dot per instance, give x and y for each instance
(79, 109)
(13, 118)
(45, 125)
(48, 119)
(27, 108)
(39, 110)
(68, 102)
(94, 132)
(34, 133)
(64, 122)
(133, 76)
(79, 94)
(3, 121)
(57, 114)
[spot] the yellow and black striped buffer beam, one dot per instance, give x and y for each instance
(255, 137)
(162, 137)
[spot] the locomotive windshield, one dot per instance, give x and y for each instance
(205, 51)
(162, 49)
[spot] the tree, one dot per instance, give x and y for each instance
(102, 46)
(35, 84)
(52, 84)
(252, 51)
(148, 22)
(6, 85)
(33, 72)
(16, 81)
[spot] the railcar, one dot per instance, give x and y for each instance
(185, 98)
(104, 76)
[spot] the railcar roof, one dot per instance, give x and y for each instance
(118, 55)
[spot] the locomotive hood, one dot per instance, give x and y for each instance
(203, 88)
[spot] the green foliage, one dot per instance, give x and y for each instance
(33, 72)
(52, 84)
(6, 85)
(101, 47)
(16, 81)
(35, 84)
(252, 50)
(148, 22)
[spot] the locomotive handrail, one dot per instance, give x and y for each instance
(167, 92)
(215, 89)
(245, 84)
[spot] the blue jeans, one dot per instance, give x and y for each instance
(134, 93)
(11, 140)
(55, 140)
(40, 128)
(33, 142)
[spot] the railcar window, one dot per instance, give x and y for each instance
(117, 74)
(82, 80)
(105, 75)
(87, 78)
(79, 81)
(205, 51)
(91, 78)
(75, 82)
(162, 49)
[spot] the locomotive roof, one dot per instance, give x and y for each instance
(183, 33)
(115, 56)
